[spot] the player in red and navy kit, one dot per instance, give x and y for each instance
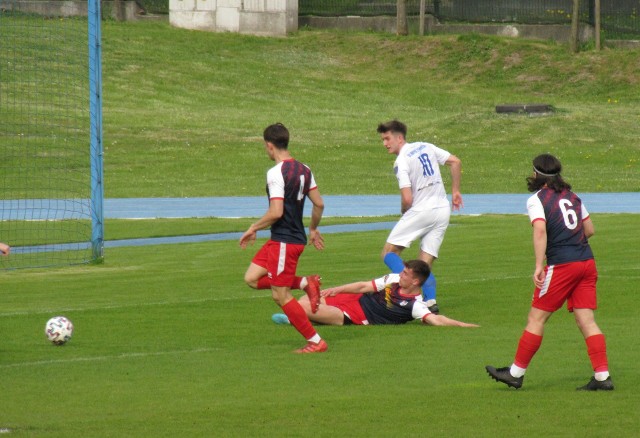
(561, 227)
(289, 183)
(392, 299)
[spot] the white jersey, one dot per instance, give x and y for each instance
(418, 166)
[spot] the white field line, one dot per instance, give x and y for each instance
(108, 358)
(134, 305)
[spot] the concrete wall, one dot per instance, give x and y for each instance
(561, 33)
(280, 17)
(256, 17)
(556, 32)
(70, 8)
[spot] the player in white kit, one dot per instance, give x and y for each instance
(424, 204)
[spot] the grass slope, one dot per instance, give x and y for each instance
(184, 110)
(170, 342)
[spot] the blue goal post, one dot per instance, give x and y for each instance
(51, 149)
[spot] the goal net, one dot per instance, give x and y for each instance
(50, 135)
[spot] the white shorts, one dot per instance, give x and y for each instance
(428, 225)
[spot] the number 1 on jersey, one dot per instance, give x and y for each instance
(301, 191)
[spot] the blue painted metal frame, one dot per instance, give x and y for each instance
(95, 104)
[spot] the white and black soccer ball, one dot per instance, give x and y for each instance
(58, 330)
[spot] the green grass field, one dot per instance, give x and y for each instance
(169, 342)
(184, 111)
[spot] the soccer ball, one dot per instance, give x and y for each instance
(58, 330)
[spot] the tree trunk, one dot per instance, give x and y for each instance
(402, 26)
(597, 24)
(422, 13)
(575, 19)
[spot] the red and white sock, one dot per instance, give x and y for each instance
(527, 348)
(597, 350)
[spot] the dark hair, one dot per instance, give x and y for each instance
(277, 134)
(547, 170)
(419, 268)
(395, 126)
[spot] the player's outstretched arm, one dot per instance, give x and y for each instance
(4, 249)
(442, 320)
(359, 287)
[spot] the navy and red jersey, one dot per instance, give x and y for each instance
(290, 180)
(563, 213)
(389, 305)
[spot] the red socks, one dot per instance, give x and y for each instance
(597, 349)
(527, 348)
(296, 283)
(298, 318)
(530, 343)
(265, 283)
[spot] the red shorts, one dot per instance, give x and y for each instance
(350, 306)
(573, 282)
(280, 260)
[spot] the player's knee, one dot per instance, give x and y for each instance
(251, 282)
(586, 322)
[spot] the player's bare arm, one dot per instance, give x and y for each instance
(315, 238)
(441, 320)
(359, 287)
(539, 249)
(455, 167)
(406, 199)
(589, 229)
(275, 212)
(4, 249)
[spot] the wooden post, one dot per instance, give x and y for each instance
(422, 12)
(402, 26)
(575, 19)
(597, 23)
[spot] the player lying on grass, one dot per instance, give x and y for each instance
(392, 299)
